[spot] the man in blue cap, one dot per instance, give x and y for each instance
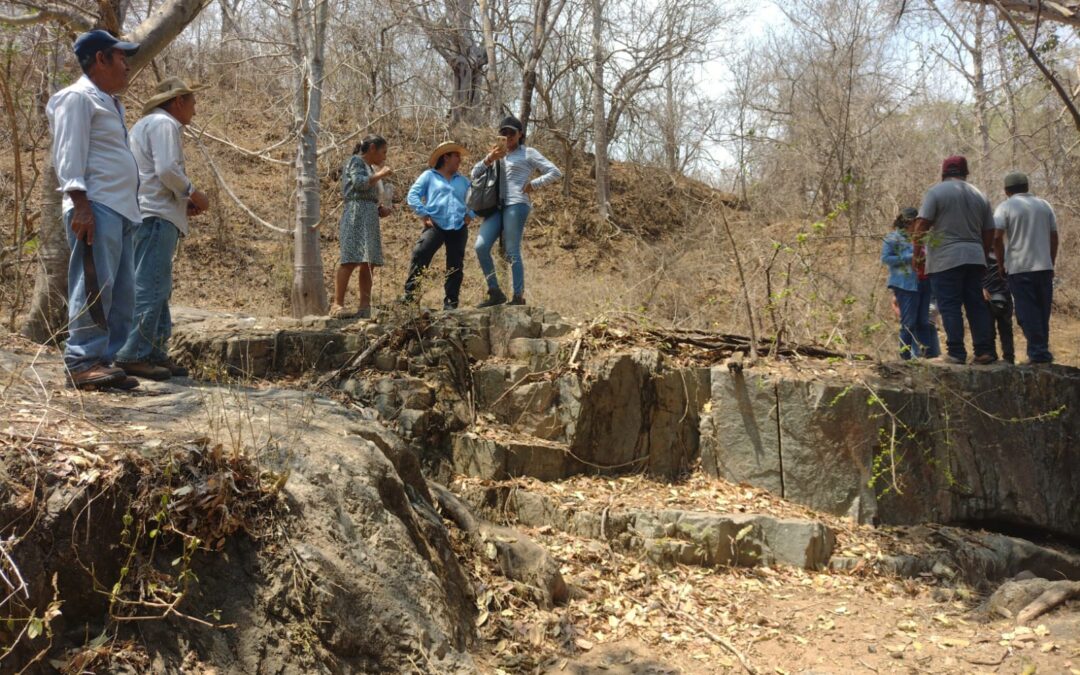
(99, 178)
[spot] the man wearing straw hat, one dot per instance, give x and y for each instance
(166, 198)
(98, 176)
(438, 198)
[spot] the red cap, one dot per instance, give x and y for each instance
(954, 166)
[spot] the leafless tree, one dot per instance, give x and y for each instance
(308, 20)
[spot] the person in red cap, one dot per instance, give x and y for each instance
(956, 224)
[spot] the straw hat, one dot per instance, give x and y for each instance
(167, 89)
(443, 148)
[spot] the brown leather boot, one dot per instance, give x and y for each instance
(173, 367)
(97, 376)
(146, 370)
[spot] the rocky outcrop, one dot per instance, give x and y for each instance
(924, 443)
(357, 573)
(977, 558)
(671, 536)
(898, 444)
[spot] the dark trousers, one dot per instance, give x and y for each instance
(959, 291)
(918, 335)
(1033, 293)
(1002, 327)
(430, 241)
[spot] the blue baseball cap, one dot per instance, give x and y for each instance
(94, 41)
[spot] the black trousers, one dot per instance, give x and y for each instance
(428, 245)
(1002, 326)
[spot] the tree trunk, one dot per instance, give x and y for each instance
(492, 76)
(48, 307)
(542, 22)
(229, 25)
(978, 60)
(669, 124)
(309, 40)
(600, 136)
(452, 37)
(468, 68)
(47, 319)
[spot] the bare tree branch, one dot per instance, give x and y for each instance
(1061, 92)
(1047, 9)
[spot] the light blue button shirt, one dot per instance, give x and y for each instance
(442, 200)
(90, 148)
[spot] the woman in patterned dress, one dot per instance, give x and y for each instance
(361, 238)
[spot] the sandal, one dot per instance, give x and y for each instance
(339, 312)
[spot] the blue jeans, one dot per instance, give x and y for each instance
(918, 336)
(1033, 294)
(960, 288)
(155, 244)
(89, 344)
(509, 222)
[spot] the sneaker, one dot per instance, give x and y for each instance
(494, 297)
(95, 377)
(173, 367)
(449, 305)
(984, 359)
(950, 359)
(146, 370)
(363, 313)
(517, 300)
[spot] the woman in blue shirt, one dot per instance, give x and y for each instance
(918, 336)
(438, 198)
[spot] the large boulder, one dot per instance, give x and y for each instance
(356, 574)
(992, 445)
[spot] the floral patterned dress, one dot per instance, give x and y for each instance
(360, 234)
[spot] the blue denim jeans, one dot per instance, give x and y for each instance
(509, 222)
(155, 244)
(960, 289)
(918, 336)
(89, 344)
(1033, 295)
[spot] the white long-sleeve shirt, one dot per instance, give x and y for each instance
(520, 165)
(90, 148)
(164, 187)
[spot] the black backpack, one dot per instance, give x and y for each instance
(484, 196)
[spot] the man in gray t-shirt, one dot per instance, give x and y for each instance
(1026, 243)
(957, 225)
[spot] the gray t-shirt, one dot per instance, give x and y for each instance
(958, 214)
(1027, 222)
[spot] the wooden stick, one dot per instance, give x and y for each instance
(356, 362)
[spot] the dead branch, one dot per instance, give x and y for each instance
(1057, 593)
(48, 12)
(1034, 56)
(244, 207)
(356, 362)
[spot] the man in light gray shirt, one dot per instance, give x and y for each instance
(99, 179)
(957, 225)
(167, 198)
(1026, 243)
